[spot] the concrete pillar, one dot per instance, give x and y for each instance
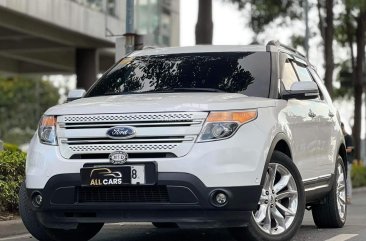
(87, 67)
(120, 48)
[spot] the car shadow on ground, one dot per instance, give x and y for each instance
(149, 233)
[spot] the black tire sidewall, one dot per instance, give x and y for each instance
(29, 218)
(333, 194)
(325, 214)
(83, 232)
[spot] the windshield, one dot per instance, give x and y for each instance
(246, 72)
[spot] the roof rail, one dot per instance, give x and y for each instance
(278, 44)
(149, 47)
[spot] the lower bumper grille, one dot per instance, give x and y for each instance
(128, 194)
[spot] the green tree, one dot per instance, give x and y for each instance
(264, 12)
(351, 32)
(22, 101)
(326, 28)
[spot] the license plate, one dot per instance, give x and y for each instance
(112, 175)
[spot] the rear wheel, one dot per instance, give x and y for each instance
(281, 205)
(83, 232)
(332, 213)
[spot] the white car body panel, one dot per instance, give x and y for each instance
(160, 102)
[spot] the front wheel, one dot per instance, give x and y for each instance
(83, 232)
(281, 205)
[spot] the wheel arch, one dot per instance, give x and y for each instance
(279, 143)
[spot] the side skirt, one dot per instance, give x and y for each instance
(317, 188)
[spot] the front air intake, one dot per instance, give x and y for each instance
(124, 194)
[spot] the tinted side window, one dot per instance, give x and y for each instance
(288, 75)
(323, 89)
(303, 73)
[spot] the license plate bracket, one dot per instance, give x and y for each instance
(113, 175)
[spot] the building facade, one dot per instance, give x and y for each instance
(158, 21)
(77, 36)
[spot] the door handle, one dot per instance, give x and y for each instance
(331, 114)
(311, 114)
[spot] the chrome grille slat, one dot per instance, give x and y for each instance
(128, 117)
(128, 140)
(127, 147)
(130, 124)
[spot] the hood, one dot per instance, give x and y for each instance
(160, 102)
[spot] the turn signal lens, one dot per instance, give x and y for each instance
(48, 121)
(240, 117)
(47, 130)
(222, 125)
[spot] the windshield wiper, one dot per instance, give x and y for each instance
(168, 91)
(184, 90)
(141, 92)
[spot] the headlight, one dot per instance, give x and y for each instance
(47, 130)
(222, 125)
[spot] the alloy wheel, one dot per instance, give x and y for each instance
(278, 202)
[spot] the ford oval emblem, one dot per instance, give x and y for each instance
(121, 132)
(118, 157)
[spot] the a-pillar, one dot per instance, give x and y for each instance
(87, 67)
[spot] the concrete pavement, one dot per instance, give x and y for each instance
(11, 228)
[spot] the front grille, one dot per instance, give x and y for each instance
(171, 132)
(127, 194)
(127, 147)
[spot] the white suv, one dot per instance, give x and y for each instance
(243, 137)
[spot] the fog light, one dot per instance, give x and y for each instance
(37, 200)
(221, 198)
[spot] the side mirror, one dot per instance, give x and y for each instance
(302, 90)
(75, 94)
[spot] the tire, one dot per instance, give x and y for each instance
(83, 232)
(327, 214)
(165, 225)
(291, 197)
(29, 218)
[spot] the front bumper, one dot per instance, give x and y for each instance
(237, 161)
(185, 200)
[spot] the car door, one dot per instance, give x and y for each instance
(322, 124)
(299, 124)
(330, 115)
